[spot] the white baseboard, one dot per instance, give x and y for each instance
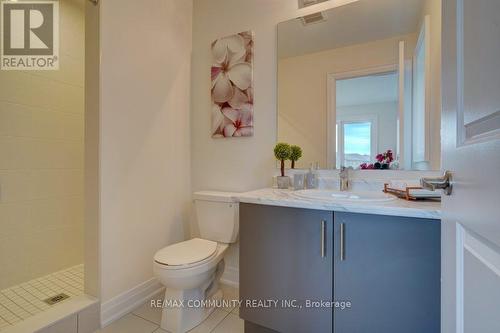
(231, 277)
(128, 301)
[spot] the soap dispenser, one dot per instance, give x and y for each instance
(312, 176)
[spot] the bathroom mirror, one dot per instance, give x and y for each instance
(360, 79)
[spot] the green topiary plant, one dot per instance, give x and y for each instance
(282, 152)
(295, 155)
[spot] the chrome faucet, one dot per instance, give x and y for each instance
(344, 182)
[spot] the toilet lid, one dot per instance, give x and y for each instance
(185, 253)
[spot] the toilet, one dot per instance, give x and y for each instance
(191, 270)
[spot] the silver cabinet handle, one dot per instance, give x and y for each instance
(342, 241)
(323, 238)
(444, 183)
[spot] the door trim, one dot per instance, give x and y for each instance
(331, 93)
(459, 287)
(424, 39)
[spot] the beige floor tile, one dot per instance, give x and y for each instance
(149, 313)
(130, 324)
(211, 322)
(236, 311)
(146, 319)
(229, 293)
(230, 324)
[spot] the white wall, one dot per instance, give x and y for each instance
(144, 131)
(41, 160)
(238, 164)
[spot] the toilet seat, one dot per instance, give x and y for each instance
(186, 254)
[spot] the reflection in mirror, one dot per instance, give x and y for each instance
(366, 117)
(361, 79)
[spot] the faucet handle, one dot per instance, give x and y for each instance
(444, 183)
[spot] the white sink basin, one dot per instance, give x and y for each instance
(330, 195)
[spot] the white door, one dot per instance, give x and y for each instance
(471, 150)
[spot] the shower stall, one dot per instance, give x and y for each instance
(42, 116)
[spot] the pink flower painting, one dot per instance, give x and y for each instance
(232, 86)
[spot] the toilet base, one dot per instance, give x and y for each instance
(199, 297)
(183, 319)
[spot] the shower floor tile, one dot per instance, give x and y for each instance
(27, 299)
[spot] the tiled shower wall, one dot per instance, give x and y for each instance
(41, 160)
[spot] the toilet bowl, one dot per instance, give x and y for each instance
(191, 270)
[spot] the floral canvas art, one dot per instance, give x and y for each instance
(232, 86)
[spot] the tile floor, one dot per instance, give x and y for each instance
(147, 319)
(26, 299)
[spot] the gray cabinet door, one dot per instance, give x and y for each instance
(390, 274)
(281, 259)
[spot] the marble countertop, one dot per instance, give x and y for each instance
(398, 207)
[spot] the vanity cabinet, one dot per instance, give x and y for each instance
(286, 254)
(387, 267)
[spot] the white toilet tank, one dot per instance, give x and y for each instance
(217, 216)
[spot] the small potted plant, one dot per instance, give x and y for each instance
(295, 155)
(282, 152)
